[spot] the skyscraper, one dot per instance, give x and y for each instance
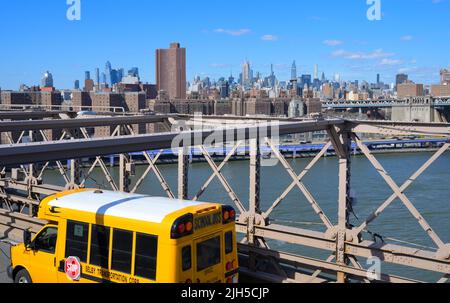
(104, 78)
(171, 71)
(445, 77)
(87, 75)
(399, 79)
(134, 72)
(120, 74)
(337, 78)
(108, 70)
(246, 71)
(224, 90)
(378, 79)
(271, 79)
(97, 77)
(231, 79)
(294, 71)
(76, 84)
(114, 77)
(47, 80)
(316, 71)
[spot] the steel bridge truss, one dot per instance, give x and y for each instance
(22, 189)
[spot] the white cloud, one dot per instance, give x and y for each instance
(407, 38)
(333, 42)
(376, 54)
(232, 32)
(386, 61)
(269, 38)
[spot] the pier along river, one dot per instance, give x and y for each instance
(430, 194)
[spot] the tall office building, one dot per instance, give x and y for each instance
(108, 71)
(134, 72)
(270, 81)
(97, 77)
(409, 89)
(399, 79)
(171, 71)
(120, 74)
(114, 77)
(224, 90)
(231, 79)
(337, 78)
(246, 73)
(88, 85)
(294, 71)
(47, 80)
(87, 75)
(445, 77)
(76, 84)
(316, 71)
(378, 79)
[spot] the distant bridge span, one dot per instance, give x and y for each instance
(435, 102)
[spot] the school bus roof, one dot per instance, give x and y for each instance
(123, 205)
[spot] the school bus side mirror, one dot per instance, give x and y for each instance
(27, 238)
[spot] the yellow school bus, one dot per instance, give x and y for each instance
(127, 238)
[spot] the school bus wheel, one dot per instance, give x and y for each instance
(22, 277)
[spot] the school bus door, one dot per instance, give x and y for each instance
(42, 256)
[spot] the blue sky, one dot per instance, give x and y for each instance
(413, 36)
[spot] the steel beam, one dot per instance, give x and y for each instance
(42, 152)
(42, 189)
(183, 171)
(399, 193)
(219, 169)
(77, 123)
(389, 253)
(217, 172)
(392, 128)
(403, 188)
(297, 182)
(311, 264)
(254, 190)
(25, 115)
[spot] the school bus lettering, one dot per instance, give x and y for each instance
(208, 220)
(111, 276)
(89, 270)
(128, 238)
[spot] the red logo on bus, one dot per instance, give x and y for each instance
(72, 268)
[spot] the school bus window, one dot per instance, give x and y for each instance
(77, 240)
(99, 246)
(208, 253)
(186, 258)
(46, 240)
(146, 254)
(229, 242)
(121, 250)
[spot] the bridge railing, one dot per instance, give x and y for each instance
(22, 187)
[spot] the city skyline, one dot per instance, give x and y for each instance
(218, 44)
